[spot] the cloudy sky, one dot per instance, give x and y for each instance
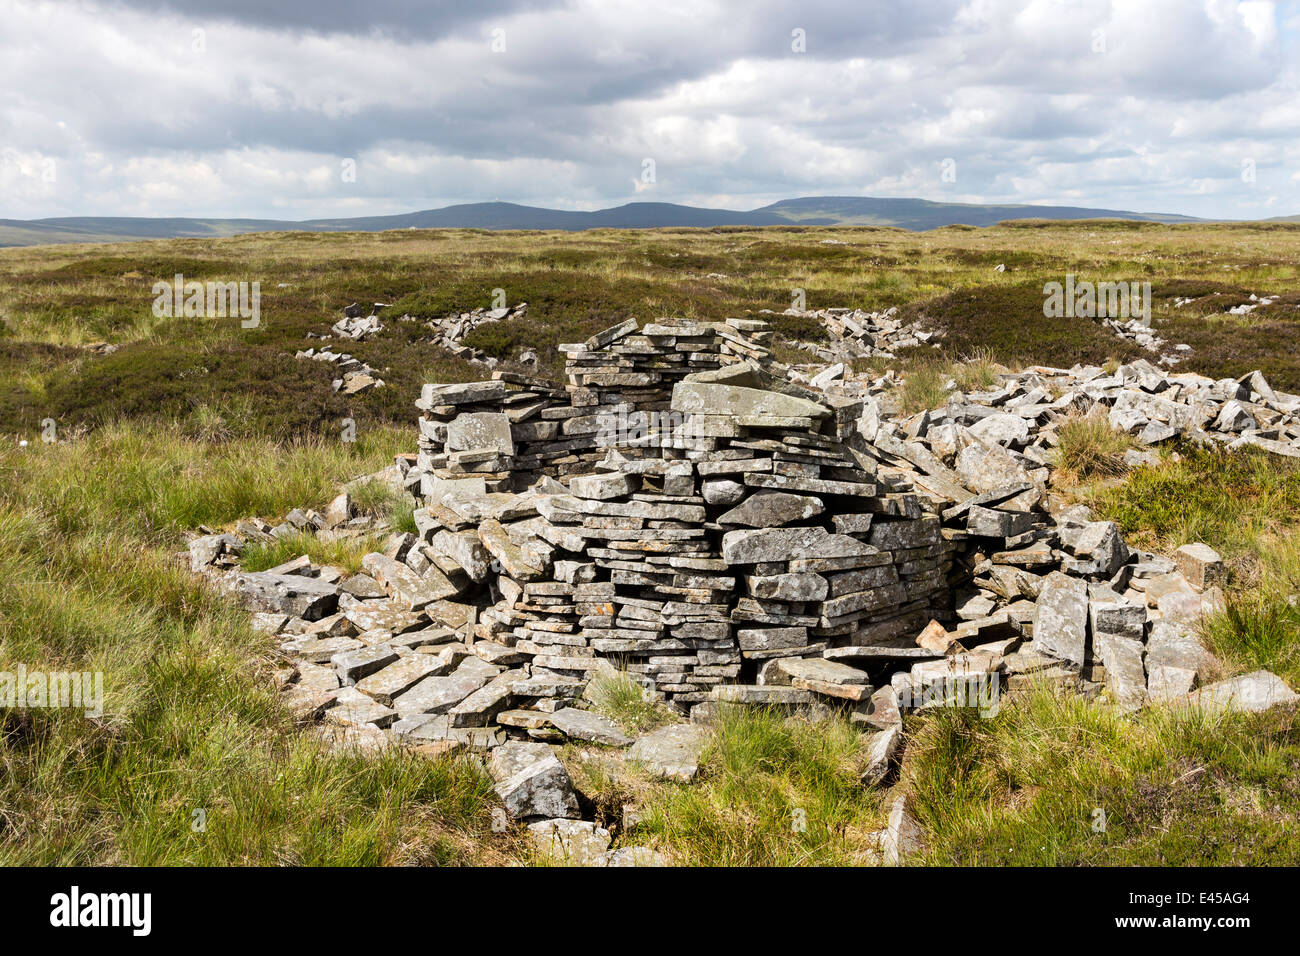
(314, 108)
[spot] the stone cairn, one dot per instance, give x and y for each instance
(715, 517)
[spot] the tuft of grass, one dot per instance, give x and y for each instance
(1055, 780)
(620, 698)
(926, 379)
(1090, 447)
(1257, 630)
(382, 500)
(977, 372)
(345, 553)
(923, 388)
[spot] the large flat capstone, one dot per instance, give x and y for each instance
(708, 398)
(782, 544)
(470, 431)
(308, 598)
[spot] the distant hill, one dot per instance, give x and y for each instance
(911, 214)
(921, 214)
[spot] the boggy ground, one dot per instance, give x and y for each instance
(200, 422)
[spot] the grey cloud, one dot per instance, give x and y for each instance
(1009, 88)
(398, 18)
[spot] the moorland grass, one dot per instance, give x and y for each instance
(923, 388)
(56, 300)
(1055, 780)
(773, 791)
(345, 553)
(191, 718)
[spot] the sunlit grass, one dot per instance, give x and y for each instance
(1056, 780)
(192, 723)
(1091, 447)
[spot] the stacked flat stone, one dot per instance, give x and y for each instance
(822, 554)
(723, 517)
(484, 433)
(508, 431)
(654, 594)
(621, 379)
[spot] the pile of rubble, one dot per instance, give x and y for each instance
(682, 513)
(357, 327)
(1245, 308)
(353, 375)
(1140, 333)
(1154, 405)
(1255, 302)
(450, 331)
(859, 334)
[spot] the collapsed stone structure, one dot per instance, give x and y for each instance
(681, 509)
(354, 375)
(715, 516)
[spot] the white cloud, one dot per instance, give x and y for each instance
(139, 119)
